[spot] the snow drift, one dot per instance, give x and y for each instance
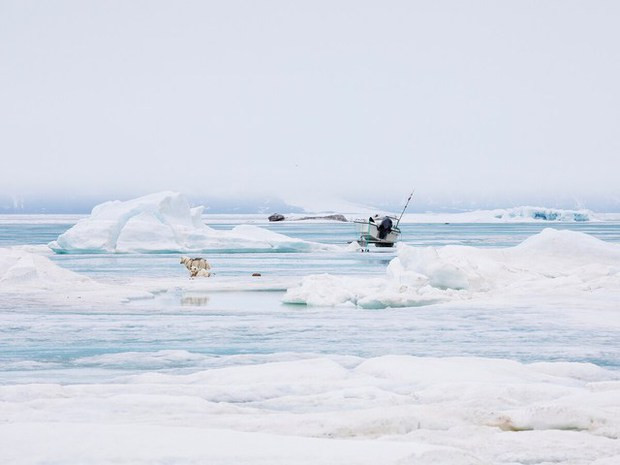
(19, 268)
(550, 262)
(323, 410)
(164, 222)
(23, 272)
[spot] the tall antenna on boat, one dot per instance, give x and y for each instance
(406, 205)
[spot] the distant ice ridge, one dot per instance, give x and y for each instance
(164, 222)
(543, 214)
(525, 214)
(546, 265)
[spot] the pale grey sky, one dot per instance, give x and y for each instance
(475, 101)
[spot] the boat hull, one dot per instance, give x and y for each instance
(369, 234)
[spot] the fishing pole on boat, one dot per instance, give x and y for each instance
(406, 205)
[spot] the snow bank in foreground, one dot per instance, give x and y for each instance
(164, 222)
(388, 410)
(547, 263)
(32, 274)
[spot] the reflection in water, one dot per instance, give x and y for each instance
(195, 301)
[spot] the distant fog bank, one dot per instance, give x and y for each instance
(82, 204)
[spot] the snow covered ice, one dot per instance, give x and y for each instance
(550, 263)
(391, 409)
(34, 276)
(165, 222)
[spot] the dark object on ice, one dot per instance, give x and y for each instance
(336, 217)
(385, 227)
(256, 274)
(276, 217)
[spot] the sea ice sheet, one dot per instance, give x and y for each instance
(550, 264)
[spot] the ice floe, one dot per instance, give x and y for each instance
(165, 222)
(27, 274)
(547, 264)
(392, 409)
(33, 275)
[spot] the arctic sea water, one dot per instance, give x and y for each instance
(177, 332)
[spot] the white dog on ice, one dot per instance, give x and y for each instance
(196, 266)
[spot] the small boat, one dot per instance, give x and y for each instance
(382, 231)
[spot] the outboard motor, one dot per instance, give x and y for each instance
(385, 227)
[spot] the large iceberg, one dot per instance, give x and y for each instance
(548, 264)
(165, 222)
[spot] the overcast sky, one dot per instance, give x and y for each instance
(480, 101)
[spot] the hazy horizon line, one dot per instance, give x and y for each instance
(84, 203)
